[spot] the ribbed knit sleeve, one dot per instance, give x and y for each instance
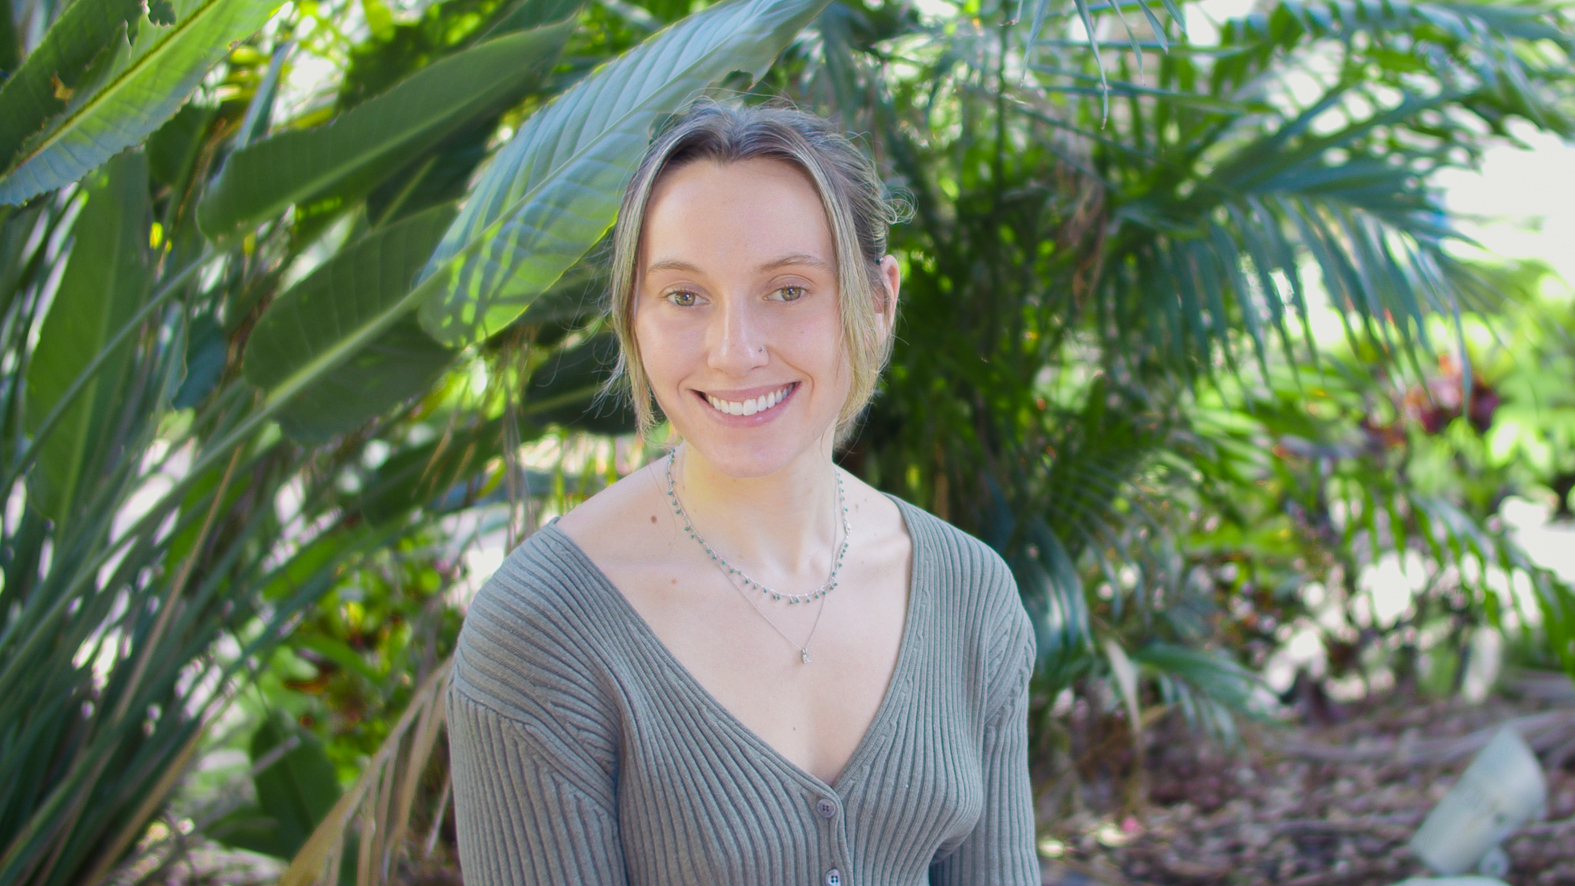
(1000, 848)
(533, 739)
(526, 821)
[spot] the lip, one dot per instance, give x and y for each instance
(741, 394)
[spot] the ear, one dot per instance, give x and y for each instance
(891, 283)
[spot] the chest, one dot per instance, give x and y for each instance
(704, 798)
(805, 679)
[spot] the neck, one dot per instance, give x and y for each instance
(781, 529)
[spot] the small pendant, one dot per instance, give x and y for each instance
(804, 654)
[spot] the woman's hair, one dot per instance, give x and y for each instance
(857, 211)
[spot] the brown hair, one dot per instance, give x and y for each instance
(857, 212)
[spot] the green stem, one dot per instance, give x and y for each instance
(80, 383)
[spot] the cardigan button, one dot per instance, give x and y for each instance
(833, 877)
(825, 808)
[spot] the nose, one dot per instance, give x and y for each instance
(737, 338)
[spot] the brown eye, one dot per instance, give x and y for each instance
(683, 299)
(789, 293)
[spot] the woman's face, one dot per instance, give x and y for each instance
(736, 314)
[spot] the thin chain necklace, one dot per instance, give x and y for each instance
(803, 651)
(734, 574)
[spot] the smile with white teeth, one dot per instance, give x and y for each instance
(750, 407)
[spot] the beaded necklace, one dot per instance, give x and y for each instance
(734, 574)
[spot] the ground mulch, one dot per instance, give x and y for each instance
(1310, 803)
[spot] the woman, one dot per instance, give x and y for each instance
(739, 664)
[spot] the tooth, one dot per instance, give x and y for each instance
(752, 406)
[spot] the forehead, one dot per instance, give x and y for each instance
(744, 210)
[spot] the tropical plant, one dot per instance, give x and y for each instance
(1357, 467)
(254, 260)
(1102, 239)
(259, 338)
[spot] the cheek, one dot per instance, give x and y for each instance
(821, 344)
(828, 332)
(663, 356)
(650, 338)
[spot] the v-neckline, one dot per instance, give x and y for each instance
(896, 685)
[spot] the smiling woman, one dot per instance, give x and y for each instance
(736, 307)
(740, 664)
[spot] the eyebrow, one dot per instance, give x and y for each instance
(796, 259)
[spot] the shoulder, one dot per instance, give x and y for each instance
(945, 554)
(971, 586)
(619, 508)
(536, 629)
(538, 584)
(621, 527)
(554, 587)
(536, 665)
(940, 552)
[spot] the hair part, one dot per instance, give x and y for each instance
(858, 214)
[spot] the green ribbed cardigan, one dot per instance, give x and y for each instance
(584, 753)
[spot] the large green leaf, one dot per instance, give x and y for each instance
(301, 786)
(392, 367)
(564, 389)
(10, 47)
(341, 345)
(347, 157)
(554, 189)
(132, 90)
(37, 90)
(248, 828)
(530, 13)
(102, 287)
(423, 474)
(173, 150)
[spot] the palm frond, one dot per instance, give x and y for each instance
(378, 807)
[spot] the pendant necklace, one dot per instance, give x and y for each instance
(736, 576)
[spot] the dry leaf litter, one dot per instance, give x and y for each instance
(1308, 805)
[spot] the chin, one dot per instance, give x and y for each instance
(754, 447)
(770, 453)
